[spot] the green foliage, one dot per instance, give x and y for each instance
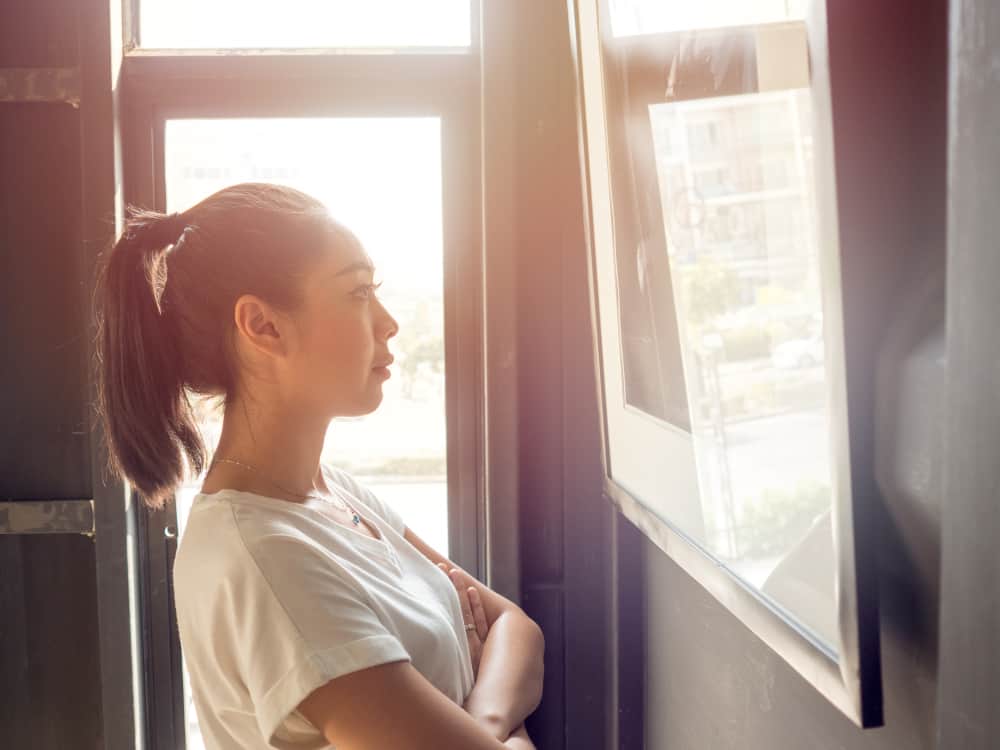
(408, 466)
(711, 290)
(418, 343)
(780, 518)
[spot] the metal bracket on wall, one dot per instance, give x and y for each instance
(47, 517)
(47, 85)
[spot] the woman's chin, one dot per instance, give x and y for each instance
(363, 407)
(375, 397)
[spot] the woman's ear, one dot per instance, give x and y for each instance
(262, 327)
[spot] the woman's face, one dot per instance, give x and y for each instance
(342, 354)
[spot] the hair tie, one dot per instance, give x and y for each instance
(158, 233)
(168, 231)
(174, 225)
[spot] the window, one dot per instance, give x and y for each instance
(719, 313)
(390, 142)
(742, 265)
(177, 24)
(633, 17)
(363, 169)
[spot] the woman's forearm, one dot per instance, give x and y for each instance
(509, 684)
(519, 740)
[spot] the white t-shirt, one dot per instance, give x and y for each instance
(275, 598)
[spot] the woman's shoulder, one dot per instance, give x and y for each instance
(227, 529)
(244, 549)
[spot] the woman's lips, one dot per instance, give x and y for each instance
(383, 367)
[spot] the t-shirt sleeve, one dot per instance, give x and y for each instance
(389, 514)
(300, 621)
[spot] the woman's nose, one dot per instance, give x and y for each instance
(388, 327)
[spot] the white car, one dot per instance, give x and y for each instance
(798, 353)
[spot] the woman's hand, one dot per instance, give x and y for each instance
(472, 612)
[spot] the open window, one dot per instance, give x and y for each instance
(718, 312)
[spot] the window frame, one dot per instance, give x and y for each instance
(158, 85)
(851, 679)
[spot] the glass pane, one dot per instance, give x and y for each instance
(720, 276)
(631, 17)
(365, 170)
(186, 24)
(745, 267)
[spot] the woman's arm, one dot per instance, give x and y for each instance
(509, 686)
(519, 740)
(392, 705)
(509, 682)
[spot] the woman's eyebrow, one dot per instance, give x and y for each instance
(361, 265)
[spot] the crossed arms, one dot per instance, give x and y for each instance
(350, 710)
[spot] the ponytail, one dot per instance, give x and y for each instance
(148, 421)
(158, 342)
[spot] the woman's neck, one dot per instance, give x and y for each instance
(284, 454)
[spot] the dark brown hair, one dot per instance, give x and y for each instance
(164, 299)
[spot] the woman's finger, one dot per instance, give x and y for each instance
(466, 583)
(468, 617)
(478, 613)
(469, 593)
(461, 578)
(463, 598)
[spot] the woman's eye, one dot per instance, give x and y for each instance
(366, 291)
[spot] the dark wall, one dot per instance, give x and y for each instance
(969, 682)
(710, 682)
(567, 529)
(49, 656)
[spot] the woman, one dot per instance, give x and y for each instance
(309, 615)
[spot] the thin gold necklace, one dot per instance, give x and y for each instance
(355, 518)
